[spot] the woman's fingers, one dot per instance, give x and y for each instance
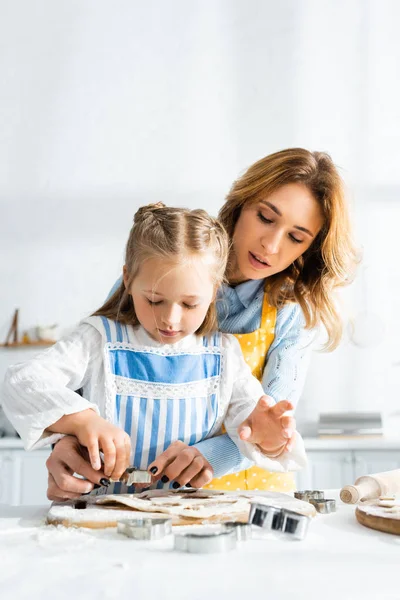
(56, 494)
(182, 464)
(280, 408)
(244, 431)
(193, 473)
(67, 459)
(68, 486)
(265, 402)
(290, 443)
(158, 466)
(187, 458)
(288, 426)
(203, 478)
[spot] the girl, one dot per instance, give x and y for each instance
(152, 370)
(291, 249)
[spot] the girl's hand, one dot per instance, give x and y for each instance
(182, 464)
(97, 434)
(269, 428)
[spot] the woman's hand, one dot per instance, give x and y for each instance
(269, 428)
(69, 457)
(97, 434)
(182, 464)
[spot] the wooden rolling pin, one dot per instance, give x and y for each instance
(368, 487)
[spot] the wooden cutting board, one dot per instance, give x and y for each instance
(96, 516)
(377, 517)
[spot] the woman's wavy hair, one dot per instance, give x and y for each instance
(175, 235)
(331, 259)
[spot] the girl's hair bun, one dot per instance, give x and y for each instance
(147, 212)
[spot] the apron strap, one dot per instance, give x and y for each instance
(119, 337)
(268, 316)
(214, 340)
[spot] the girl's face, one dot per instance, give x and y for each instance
(171, 300)
(270, 234)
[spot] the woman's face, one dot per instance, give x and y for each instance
(271, 233)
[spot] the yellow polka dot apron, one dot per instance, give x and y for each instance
(255, 347)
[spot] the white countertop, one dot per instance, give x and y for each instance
(355, 443)
(11, 442)
(338, 559)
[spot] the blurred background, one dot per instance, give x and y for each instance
(106, 106)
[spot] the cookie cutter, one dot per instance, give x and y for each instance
(222, 540)
(306, 495)
(279, 520)
(145, 529)
(323, 506)
(133, 475)
(243, 530)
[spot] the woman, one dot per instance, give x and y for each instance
(288, 220)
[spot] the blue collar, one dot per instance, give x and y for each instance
(246, 291)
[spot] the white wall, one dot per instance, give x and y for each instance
(105, 106)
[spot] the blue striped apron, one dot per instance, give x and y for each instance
(159, 394)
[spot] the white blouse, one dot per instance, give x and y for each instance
(40, 391)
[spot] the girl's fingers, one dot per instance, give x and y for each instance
(94, 454)
(121, 461)
(108, 448)
(128, 449)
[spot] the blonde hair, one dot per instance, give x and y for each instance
(176, 235)
(331, 259)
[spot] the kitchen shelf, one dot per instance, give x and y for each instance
(25, 345)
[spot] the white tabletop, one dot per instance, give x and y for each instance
(339, 559)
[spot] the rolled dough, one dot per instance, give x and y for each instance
(185, 507)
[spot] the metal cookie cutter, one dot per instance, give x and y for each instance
(243, 530)
(306, 495)
(145, 529)
(206, 543)
(279, 520)
(133, 475)
(324, 506)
